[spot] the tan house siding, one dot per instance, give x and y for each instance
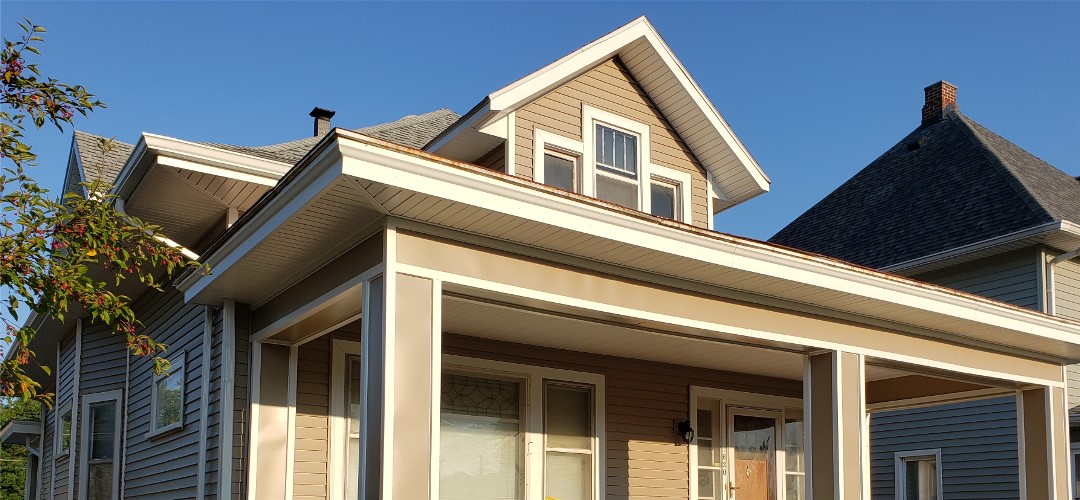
(609, 87)
(643, 398)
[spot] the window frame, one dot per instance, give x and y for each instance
(547, 142)
(535, 379)
(155, 428)
(58, 452)
(339, 439)
(681, 181)
(900, 463)
(84, 444)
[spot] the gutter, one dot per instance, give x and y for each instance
(1034, 231)
(1050, 278)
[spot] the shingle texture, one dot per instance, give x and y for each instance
(412, 131)
(945, 185)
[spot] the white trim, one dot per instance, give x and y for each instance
(900, 460)
(100, 397)
(837, 430)
(510, 158)
(590, 118)
(684, 212)
(707, 326)
(535, 376)
(389, 355)
(434, 433)
(365, 374)
(808, 429)
(304, 311)
(290, 427)
(254, 386)
(227, 395)
(204, 397)
(339, 448)
(864, 430)
(543, 141)
(176, 358)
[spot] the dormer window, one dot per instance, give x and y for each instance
(616, 166)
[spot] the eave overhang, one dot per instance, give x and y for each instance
(19, 431)
(361, 178)
(649, 59)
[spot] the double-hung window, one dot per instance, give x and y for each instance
(99, 472)
(918, 475)
(616, 166)
(492, 414)
(167, 398)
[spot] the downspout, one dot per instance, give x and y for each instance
(1050, 278)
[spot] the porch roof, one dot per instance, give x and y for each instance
(347, 185)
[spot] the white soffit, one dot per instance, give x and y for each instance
(659, 73)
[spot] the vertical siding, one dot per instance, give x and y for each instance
(1011, 277)
(643, 398)
(979, 457)
(609, 87)
(165, 466)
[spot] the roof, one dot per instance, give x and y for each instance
(412, 131)
(945, 185)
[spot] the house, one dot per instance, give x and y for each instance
(527, 301)
(955, 204)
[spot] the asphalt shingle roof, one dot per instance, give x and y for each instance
(945, 185)
(413, 131)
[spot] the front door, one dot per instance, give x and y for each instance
(752, 440)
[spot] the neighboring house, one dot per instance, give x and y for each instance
(523, 302)
(955, 204)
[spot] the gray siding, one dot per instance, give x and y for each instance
(1011, 277)
(979, 457)
(240, 401)
(54, 474)
(165, 466)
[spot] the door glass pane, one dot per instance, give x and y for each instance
(568, 476)
(481, 441)
(662, 200)
(796, 487)
(568, 417)
(102, 430)
(617, 191)
(754, 441)
(559, 172)
(352, 404)
(793, 441)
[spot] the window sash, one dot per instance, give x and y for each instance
(168, 412)
(617, 151)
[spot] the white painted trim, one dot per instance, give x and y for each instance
(389, 355)
(227, 396)
(808, 429)
(1040, 280)
(365, 374)
(704, 327)
(510, 158)
(434, 433)
(339, 448)
(685, 209)
(263, 179)
(99, 397)
(838, 430)
(535, 377)
(290, 428)
(900, 459)
(304, 311)
(864, 429)
(590, 117)
(544, 141)
(204, 397)
(254, 386)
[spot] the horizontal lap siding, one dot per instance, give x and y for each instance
(979, 457)
(166, 466)
(213, 412)
(643, 398)
(1067, 304)
(54, 473)
(1011, 277)
(609, 87)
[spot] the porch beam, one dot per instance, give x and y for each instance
(1043, 440)
(835, 398)
(401, 340)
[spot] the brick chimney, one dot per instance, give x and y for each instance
(939, 96)
(322, 120)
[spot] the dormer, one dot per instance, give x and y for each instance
(620, 120)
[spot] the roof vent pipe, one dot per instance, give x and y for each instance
(322, 120)
(939, 97)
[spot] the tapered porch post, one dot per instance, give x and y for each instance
(1044, 452)
(401, 354)
(835, 398)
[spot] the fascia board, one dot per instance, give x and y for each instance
(226, 160)
(472, 120)
(434, 178)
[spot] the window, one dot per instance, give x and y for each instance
(560, 170)
(918, 476)
(794, 457)
(492, 412)
(63, 431)
(345, 408)
(664, 195)
(167, 400)
(616, 166)
(99, 474)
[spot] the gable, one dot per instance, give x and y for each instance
(609, 87)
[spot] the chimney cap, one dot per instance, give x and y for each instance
(940, 83)
(318, 112)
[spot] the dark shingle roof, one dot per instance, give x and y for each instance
(96, 163)
(945, 185)
(413, 131)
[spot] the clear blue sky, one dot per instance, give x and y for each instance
(815, 90)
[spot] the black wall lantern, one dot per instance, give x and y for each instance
(684, 431)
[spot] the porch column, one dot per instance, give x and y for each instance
(401, 355)
(268, 477)
(1044, 443)
(834, 392)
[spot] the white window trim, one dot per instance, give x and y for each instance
(66, 408)
(683, 212)
(181, 359)
(84, 465)
(544, 141)
(534, 420)
(590, 116)
(339, 448)
(900, 459)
